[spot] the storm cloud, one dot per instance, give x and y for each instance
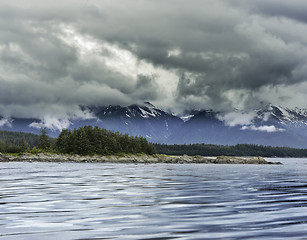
(179, 55)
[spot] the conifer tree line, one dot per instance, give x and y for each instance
(14, 142)
(85, 140)
(90, 140)
(236, 150)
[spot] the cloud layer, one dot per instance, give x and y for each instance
(221, 54)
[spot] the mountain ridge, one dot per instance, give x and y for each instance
(269, 125)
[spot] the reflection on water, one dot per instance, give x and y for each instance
(160, 201)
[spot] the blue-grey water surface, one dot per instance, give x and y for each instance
(155, 201)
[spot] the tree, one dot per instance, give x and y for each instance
(83, 144)
(70, 146)
(24, 147)
(61, 141)
(43, 141)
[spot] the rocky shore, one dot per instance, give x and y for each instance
(145, 159)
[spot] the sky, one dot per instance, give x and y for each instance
(177, 54)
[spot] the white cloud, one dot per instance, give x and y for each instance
(51, 123)
(245, 120)
(269, 129)
(236, 118)
(174, 52)
(5, 122)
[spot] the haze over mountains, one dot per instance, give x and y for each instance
(269, 125)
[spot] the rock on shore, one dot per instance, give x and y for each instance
(47, 157)
(3, 158)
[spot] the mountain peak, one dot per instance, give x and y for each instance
(281, 114)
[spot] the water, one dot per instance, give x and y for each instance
(160, 201)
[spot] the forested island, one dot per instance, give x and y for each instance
(94, 144)
(85, 140)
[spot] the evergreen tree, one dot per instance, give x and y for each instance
(61, 141)
(70, 145)
(43, 141)
(24, 146)
(88, 140)
(83, 142)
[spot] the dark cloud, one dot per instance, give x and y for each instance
(144, 88)
(220, 54)
(295, 10)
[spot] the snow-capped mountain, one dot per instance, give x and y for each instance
(268, 125)
(282, 115)
(138, 120)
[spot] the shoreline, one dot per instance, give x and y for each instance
(143, 159)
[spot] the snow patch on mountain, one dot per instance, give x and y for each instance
(187, 117)
(166, 124)
(146, 113)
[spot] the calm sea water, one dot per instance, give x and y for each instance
(159, 201)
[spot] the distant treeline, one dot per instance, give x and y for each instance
(12, 142)
(86, 140)
(237, 150)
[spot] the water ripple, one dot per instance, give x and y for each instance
(161, 201)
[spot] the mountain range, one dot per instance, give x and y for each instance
(269, 125)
